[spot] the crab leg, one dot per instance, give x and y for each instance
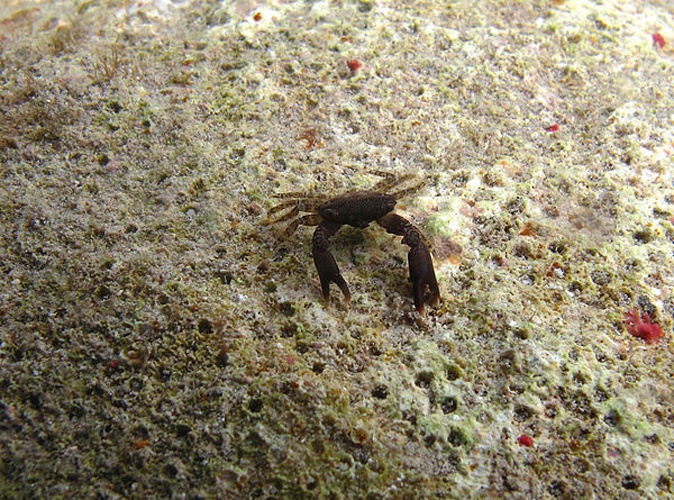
(422, 273)
(299, 204)
(328, 272)
(292, 212)
(389, 180)
(305, 220)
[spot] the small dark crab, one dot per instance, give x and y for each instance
(359, 209)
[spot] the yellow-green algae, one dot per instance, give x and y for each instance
(158, 340)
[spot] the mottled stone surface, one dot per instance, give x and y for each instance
(157, 339)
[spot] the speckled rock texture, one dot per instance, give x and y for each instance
(159, 339)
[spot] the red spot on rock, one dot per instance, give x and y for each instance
(354, 64)
(526, 440)
(552, 128)
(640, 326)
(658, 40)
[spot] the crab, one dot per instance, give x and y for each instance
(358, 209)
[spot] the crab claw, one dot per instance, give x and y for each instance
(328, 272)
(422, 274)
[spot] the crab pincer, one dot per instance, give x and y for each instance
(328, 271)
(422, 274)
